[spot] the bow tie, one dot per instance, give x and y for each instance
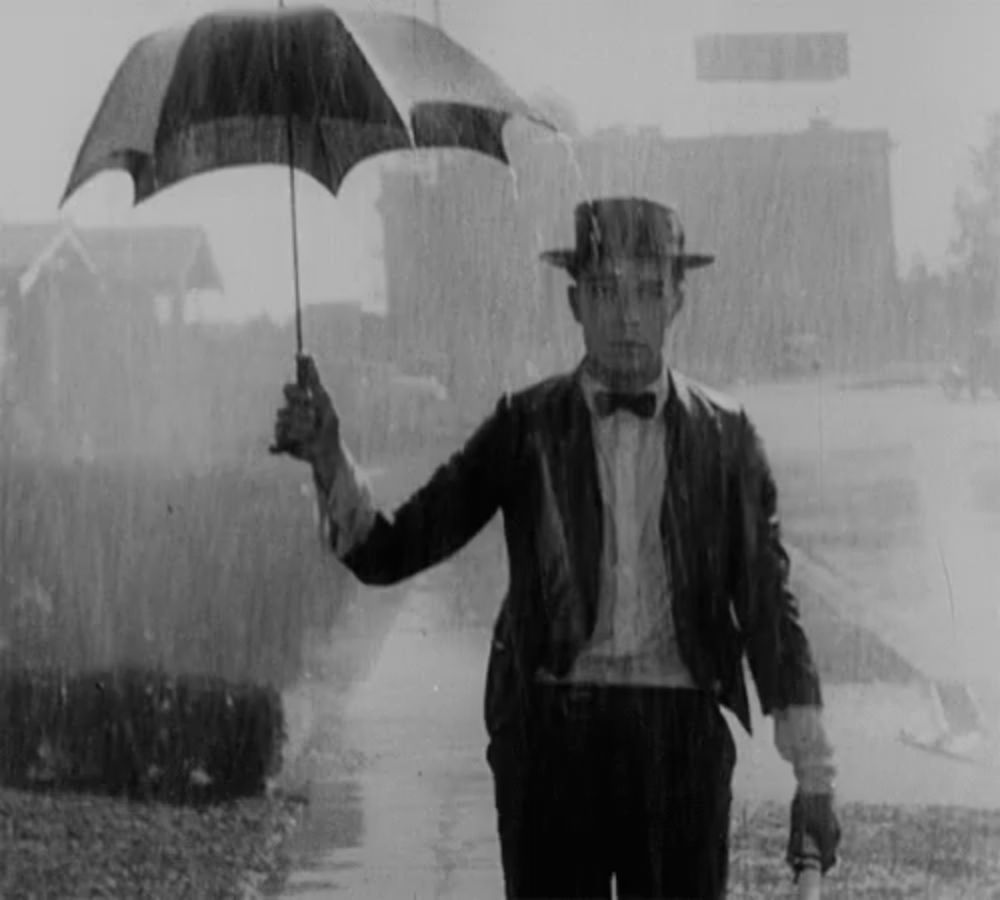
(608, 402)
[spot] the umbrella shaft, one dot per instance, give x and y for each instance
(290, 140)
(295, 241)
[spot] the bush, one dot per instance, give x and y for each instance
(140, 733)
(147, 619)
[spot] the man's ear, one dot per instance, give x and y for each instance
(675, 300)
(573, 296)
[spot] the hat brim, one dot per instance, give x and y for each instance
(568, 260)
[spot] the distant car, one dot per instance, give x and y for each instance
(954, 380)
(981, 372)
(984, 362)
(800, 355)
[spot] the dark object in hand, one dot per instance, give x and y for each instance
(815, 830)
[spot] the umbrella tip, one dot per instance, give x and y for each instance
(70, 189)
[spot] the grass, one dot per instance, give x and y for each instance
(887, 853)
(68, 846)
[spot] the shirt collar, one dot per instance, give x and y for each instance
(660, 388)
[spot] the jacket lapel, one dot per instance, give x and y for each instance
(570, 473)
(678, 525)
(676, 513)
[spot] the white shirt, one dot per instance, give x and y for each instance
(634, 639)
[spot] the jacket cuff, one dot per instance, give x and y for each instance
(346, 512)
(800, 738)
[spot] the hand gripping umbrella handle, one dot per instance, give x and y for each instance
(302, 380)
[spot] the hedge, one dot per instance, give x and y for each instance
(138, 732)
(121, 584)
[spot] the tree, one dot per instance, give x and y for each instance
(977, 243)
(930, 322)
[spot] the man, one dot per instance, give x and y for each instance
(645, 564)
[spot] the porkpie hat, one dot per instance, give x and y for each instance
(625, 228)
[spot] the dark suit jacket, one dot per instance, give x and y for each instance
(533, 460)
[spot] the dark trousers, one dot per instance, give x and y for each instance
(630, 783)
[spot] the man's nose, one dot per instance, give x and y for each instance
(628, 311)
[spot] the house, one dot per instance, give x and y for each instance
(84, 348)
(41, 266)
(164, 261)
(27, 250)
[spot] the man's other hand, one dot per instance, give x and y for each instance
(814, 829)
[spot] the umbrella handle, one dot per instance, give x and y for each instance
(809, 873)
(810, 884)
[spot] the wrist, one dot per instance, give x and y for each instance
(325, 466)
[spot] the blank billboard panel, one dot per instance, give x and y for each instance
(818, 56)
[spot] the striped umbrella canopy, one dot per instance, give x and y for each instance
(317, 89)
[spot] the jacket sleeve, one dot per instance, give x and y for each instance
(446, 513)
(778, 651)
(346, 509)
(801, 739)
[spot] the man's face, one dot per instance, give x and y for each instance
(624, 309)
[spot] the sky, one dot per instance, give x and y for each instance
(926, 70)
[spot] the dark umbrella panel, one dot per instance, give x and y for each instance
(311, 88)
(220, 92)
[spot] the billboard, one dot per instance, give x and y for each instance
(789, 57)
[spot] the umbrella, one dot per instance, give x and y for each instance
(317, 89)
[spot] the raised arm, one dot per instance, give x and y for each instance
(435, 522)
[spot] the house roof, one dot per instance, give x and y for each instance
(27, 248)
(22, 243)
(159, 257)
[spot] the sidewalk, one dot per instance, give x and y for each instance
(408, 812)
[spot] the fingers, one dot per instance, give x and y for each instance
(298, 419)
(308, 380)
(815, 831)
(308, 377)
(296, 426)
(310, 409)
(308, 417)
